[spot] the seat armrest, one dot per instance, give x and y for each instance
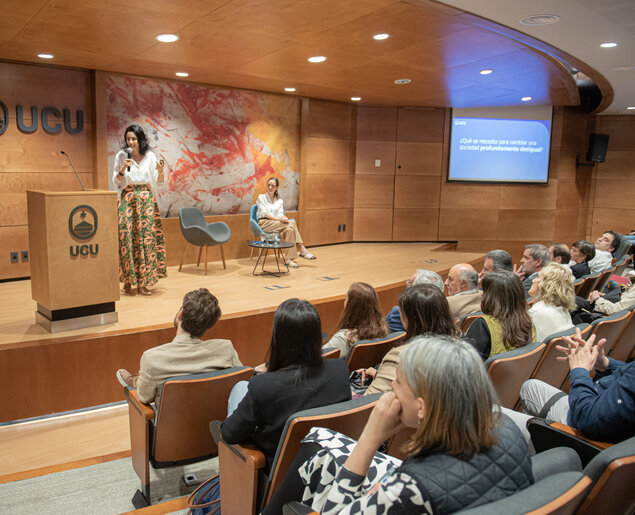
(578, 434)
(214, 428)
(297, 508)
(142, 409)
(248, 453)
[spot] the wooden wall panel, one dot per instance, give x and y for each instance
(618, 164)
(421, 124)
(320, 227)
(458, 223)
(324, 119)
(374, 191)
(469, 195)
(529, 197)
(417, 191)
(571, 193)
(329, 191)
(620, 219)
(369, 151)
(417, 158)
(373, 224)
(528, 226)
(13, 238)
(327, 156)
(620, 130)
(376, 123)
(415, 224)
(567, 226)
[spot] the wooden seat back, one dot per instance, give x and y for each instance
(625, 344)
(585, 287)
(369, 353)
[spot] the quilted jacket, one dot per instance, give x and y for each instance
(454, 483)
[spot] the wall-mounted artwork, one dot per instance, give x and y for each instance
(219, 145)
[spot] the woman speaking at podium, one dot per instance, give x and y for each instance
(271, 218)
(141, 239)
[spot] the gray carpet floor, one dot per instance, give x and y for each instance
(106, 488)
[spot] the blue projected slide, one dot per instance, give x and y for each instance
(499, 150)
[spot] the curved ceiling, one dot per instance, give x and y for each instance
(264, 45)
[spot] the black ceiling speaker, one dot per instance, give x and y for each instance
(598, 143)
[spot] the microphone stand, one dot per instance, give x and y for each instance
(76, 174)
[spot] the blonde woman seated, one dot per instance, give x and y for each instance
(463, 453)
(506, 324)
(554, 294)
(360, 320)
(271, 218)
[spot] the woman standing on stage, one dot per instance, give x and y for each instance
(141, 239)
(271, 218)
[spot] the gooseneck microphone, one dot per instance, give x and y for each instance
(129, 151)
(76, 174)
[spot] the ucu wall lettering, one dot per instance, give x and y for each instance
(51, 117)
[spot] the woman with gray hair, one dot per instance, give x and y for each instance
(462, 443)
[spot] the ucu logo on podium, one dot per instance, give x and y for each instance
(82, 224)
(51, 118)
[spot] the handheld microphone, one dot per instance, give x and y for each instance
(129, 151)
(76, 174)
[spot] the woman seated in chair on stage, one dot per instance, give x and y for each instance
(360, 320)
(295, 378)
(506, 324)
(271, 218)
(463, 453)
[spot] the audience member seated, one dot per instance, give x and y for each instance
(464, 297)
(360, 320)
(506, 324)
(296, 378)
(560, 253)
(555, 298)
(598, 304)
(602, 408)
(187, 353)
(605, 245)
(535, 258)
(463, 453)
(419, 277)
(424, 309)
(582, 252)
(495, 260)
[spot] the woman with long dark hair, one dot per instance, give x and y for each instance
(360, 320)
(506, 324)
(141, 239)
(424, 309)
(296, 378)
(463, 452)
(271, 218)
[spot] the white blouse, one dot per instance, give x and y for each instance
(549, 319)
(144, 172)
(265, 205)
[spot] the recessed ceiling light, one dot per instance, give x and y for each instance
(526, 99)
(631, 107)
(289, 90)
(356, 99)
(403, 81)
(317, 59)
(167, 38)
(45, 56)
(623, 68)
(182, 74)
(540, 19)
(486, 72)
(608, 44)
(381, 37)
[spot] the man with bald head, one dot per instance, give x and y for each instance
(464, 297)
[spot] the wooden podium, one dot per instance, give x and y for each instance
(74, 258)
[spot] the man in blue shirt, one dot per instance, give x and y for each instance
(602, 408)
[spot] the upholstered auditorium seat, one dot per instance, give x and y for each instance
(369, 353)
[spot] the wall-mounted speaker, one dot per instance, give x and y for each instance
(598, 143)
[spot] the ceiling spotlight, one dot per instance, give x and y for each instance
(167, 38)
(403, 81)
(526, 99)
(540, 19)
(45, 56)
(182, 74)
(486, 72)
(317, 59)
(356, 99)
(289, 90)
(608, 45)
(381, 37)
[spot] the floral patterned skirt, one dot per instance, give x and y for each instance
(141, 239)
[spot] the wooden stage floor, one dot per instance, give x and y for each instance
(238, 291)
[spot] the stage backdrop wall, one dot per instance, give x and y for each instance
(219, 145)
